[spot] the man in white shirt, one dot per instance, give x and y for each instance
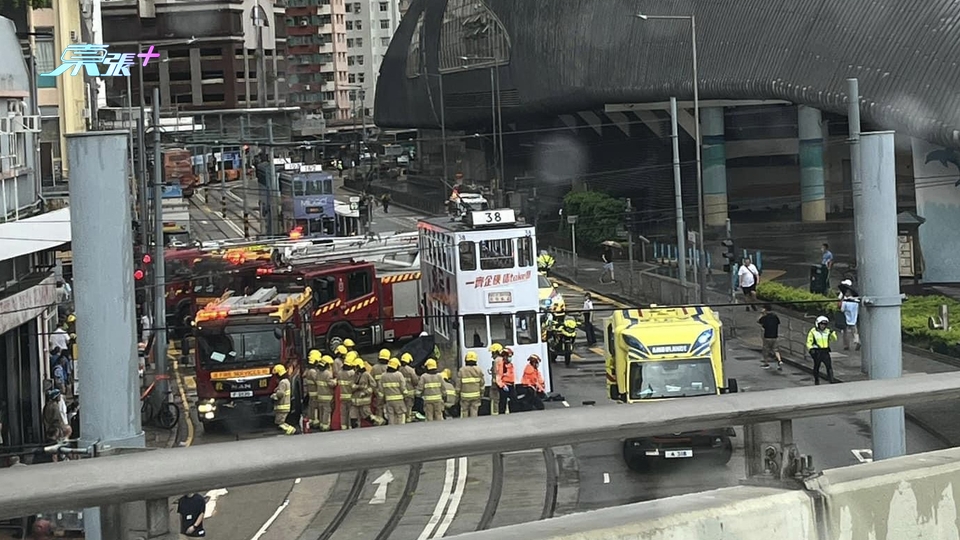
(59, 338)
(588, 320)
(850, 307)
(749, 277)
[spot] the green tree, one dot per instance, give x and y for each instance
(599, 215)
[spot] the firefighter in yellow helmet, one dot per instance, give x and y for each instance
(339, 355)
(449, 395)
(363, 391)
(377, 372)
(413, 380)
(496, 352)
(431, 390)
(281, 399)
(326, 386)
(394, 385)
(345, 380)
(470, 384)
(349, 344)
(311, 380)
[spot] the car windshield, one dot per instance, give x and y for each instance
(544, 283)
(672, 379)
(237, 345)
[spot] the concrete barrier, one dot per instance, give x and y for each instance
(911, 497)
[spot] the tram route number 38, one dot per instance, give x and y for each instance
(494, 217)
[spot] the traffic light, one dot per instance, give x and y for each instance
(141, 267)
(729, 255)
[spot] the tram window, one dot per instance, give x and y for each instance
(525, 251)
(496, 254)
(324, 290)
(358, 284)
(501, 329)
(475, 330)
(328, 226)
(527, 327)
(468, 256)
(299, 188)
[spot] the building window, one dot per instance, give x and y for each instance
(385, 24)
(349, 8)
(358, 25)
(349, 42)
(471, 30)
(359, 42)
(413, 51)
(383, 6)
(46, 58)
(360, 78)
(356, 7)
(351, 78)
(384, 42)
(349, 60)
(360, 60)
(349, 25)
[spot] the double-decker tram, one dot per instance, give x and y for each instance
(479, 279)
(307, 200)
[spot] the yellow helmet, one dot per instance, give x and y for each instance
(570, 323)
(314, 356)
(470, 357)
(430, 364)
(351, 358)
(406, 358)
(280, 370)
(341, 350)
(348, 343)
(446, 374)
(71, 318)
(496, 347)
(393, 363)
(326, 360)
(384, 354)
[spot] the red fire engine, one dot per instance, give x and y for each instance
(368, 292)
(239, 340)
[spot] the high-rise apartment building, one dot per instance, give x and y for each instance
(317, 62)
(370, 27)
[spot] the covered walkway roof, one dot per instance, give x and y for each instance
(37, 233)
(560, 56)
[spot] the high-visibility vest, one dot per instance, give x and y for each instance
(505, 373)
(470, 383)
(532, 377)
(820, 340)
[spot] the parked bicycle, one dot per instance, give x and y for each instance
(166, 413)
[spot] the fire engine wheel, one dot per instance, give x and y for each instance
(337, 335)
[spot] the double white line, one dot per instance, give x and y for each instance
(446, 509)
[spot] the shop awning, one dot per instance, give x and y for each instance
(37, 233)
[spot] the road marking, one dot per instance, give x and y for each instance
(565, 404)
(185, 403)
(597, 350)
(455, 501)
(269, 522)
(234, 196)
(442, 503)
(190, 382)
(864, 455)
(606, 478)
(212, 497)
(595, 295)
(382, 482)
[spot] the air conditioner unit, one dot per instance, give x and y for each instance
(306, 87)
(304, 23)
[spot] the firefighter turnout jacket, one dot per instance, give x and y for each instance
(393, 385)
(431, 388)
(281, 396)
(470, 382)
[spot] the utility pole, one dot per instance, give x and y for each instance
(223, 184)
(678, 194)
(443, 130)
(731, 256)
(159, 263)
(853, 121)
(100, 201)
(271, 178)
(243, 185)
(572, 220)
(630, 235)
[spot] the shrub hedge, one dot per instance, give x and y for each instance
(914, 313)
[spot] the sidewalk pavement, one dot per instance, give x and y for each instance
(937, 418)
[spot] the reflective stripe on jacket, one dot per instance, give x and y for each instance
(431, 387)
(345, 380)
(412, 380)
(377, 372)
(363, 389)
(310, 381)
(282, 396)
(820, 340)
(470, 382)
(325, 385)
(393, 385)
(449, 394)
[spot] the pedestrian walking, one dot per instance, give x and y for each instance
(749, 278)
(385, 201)
(505, 380)
(588, 320)
(850, 307)
(413, 380)
(607, 257)
(393, 386)
(532, 382)
(281, 400)
(431, 390)
(771, 334)
(345, 378)
(470, 384)
(826, 261)
(818, 344)
(192, 508)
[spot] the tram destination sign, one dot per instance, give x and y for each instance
(493, 218)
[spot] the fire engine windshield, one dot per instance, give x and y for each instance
(238, 345)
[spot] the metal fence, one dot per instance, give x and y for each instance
(156, 475)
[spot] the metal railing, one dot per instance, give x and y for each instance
(164, 473)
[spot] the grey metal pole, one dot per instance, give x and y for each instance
(877, 254)
(271, 179)
(159, 263)
(573, 241)
(503, 159)
(103, 248)
(733, 289)
(493, 125)
(142, 168)
(261, 68)
(243, 188)
(853, 121)
(678, 194)
(223, 185)
(699, 261)
(630, 238)
(443, 131)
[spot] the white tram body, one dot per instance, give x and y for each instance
(479, 278)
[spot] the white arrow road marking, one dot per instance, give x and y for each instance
(212, 497)
(382, 482)
(863, 456)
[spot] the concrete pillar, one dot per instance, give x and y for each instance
(714, 167)
(812, 195)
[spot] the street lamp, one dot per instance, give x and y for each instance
(696, 113)
(496, 115)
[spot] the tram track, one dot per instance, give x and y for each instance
(413, 480)
(348, 505)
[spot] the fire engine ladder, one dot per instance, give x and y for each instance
(215, 245)
(400, 249)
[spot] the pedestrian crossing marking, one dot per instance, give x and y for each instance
(190, 382)
(597, 350)
(576, 356)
